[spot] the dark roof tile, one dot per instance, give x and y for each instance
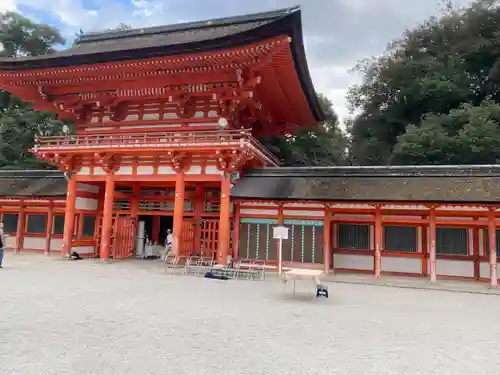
(424, 184)
(32, 183)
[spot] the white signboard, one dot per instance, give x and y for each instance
(280, 233)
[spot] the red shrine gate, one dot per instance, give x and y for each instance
(180, 106)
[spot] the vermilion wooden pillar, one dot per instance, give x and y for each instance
(236, 232)
(21, 225)
(475, 251)
(425, 251)
(492, 237)
(432, 250)
(69, 217)
(281, 221)
(327, 242)
(178, 212)
(378, 243)
(107, 218)
(223, 243)
(48, 229)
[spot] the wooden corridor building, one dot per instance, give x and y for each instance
(167, 121)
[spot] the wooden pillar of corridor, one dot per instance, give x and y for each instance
(327, 242)
(224, 224)
(107, 218)
(178, 211)
(69, 217)
(378, 243)
(432, 240)
(492, 237)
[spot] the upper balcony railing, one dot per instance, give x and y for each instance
(186, 140)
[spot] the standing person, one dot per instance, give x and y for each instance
(2, 243)
(169, 242)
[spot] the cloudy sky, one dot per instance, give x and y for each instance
(337, 32)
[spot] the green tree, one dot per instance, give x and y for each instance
(438, 67)
(467, 135)
(19, 123)
(323, 145)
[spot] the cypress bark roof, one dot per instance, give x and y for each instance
(423, 183)
(32, 183)
(181, 39)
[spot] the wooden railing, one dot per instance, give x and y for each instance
(192, 139)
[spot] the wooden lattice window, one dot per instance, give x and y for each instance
(354, 236)
(36, 223)
(88, 226)
(487, 242)
(10, 222)
(58, 226)
(451, 241)
(400, 238)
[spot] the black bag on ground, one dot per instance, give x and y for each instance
(210, 275)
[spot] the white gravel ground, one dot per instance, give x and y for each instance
(60, 317)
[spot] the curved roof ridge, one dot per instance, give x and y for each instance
(185, 26)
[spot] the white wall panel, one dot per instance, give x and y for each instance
(399, 264)
(353, 262)
(449, 267)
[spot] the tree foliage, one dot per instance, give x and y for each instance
(434, 87)
(19, 123)
(323, 145)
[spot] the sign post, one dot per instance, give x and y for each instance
(280, 233)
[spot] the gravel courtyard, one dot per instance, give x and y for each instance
(60, 317)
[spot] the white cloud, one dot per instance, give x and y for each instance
(7, 5)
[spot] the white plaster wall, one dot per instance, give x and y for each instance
(461, 208)
(145, 170)
(87, 188)
(56, 244)
(441, 217)
(398, 264)
(10, 242)
(305, 205)
(303, 213)
(356, 206)
(34, 243)
(450, 267)
(195, 169)
(212, 169)
(258, 204)
(98, 171)
(258, 212)
(87, 204)
(482, 250)
(151, 116)
(470, 237)
(484, 270)
(165, 170)
(127, 170)
(348, 217)
(84, 171)
(353, 261)
(406, 207)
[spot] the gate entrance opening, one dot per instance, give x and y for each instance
(156, 227)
